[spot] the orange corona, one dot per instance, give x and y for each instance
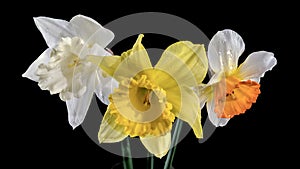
(235, 96)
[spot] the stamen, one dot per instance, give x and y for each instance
(74, 63)
(146, 100)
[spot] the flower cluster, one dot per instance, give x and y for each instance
(144, 99)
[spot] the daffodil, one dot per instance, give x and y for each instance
(149, 98)
(64, 67)
(232, 89)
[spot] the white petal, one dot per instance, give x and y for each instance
(42, 59)
(217, 92)
(105, 87)
(98, 50)
(204, 91)
(108, 133)
(53, 29)
(216, 78)
(256, 64)
(78, 107)
(91, 31)
(224, 50)
(210, 105)
(157, 145)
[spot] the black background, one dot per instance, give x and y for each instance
(38, 133)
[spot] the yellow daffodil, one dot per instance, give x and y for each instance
(64, 68)
(149, 98)
(232, 89)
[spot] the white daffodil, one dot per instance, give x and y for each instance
(64, 68)
(232, 89)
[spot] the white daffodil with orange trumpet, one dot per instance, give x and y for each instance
(232, 89)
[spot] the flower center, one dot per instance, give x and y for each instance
(146, 112)
(74, 61)
(146, 99)
(58, 74)
(67, 52)
(142, 92)
(234, 96)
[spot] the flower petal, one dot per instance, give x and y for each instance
(42, 59)
(212, 115)
(224, 50)
(109, 64)
(53, 29)
(256, 64)
(104, 87)
(129, 63)
(157, 145)
(170, 84)
(133, 61)
(78, 107)
(190, 111)
(51, 79)
(91, 31)
(204, 91)
(98, 50)
(109, 131)
(171, 75)
(185, 58)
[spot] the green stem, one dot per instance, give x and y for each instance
(171, 153)
(126, 153)
(150, 162)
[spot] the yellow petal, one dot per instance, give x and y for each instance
(110, 63)
(169, 84)
(157, 145)
(109, 131)
(191, 112)
(185, 61)
(183, 99)
(129, 63)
